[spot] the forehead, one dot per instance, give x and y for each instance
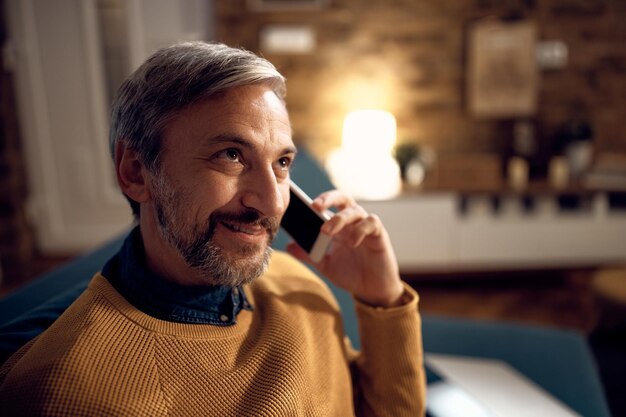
(253, 113)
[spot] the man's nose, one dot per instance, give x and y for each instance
(263, 193)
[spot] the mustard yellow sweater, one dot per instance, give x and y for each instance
(286, 358)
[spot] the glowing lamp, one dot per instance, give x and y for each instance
(364, 166)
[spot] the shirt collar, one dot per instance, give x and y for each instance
(128, 273)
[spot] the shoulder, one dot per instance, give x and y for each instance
(69, 362)
(284, 264)
(288, 270)
(79, 332)
(286, 274)
(292, 298)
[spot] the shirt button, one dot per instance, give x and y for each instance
(224, 317)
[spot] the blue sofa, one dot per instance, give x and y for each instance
(560, 361)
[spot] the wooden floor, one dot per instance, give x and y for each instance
(553, 298)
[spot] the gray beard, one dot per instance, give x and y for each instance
(213, 263)
(201, 252)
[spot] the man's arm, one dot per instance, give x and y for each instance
(389, 369)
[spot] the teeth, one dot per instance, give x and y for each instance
(240, 228)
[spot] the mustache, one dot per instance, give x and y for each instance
(250, 217)
(196, 251)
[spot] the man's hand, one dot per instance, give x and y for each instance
(361, 259)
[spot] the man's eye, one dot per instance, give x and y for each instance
(285, 162)
(230, 154)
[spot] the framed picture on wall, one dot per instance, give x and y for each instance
(502, 73)
(280, 5)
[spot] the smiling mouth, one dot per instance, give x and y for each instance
(249, 229)
(248, 226)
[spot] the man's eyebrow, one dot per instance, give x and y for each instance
(228, 138)
(238, 140)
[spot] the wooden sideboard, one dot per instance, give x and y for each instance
(490, 229)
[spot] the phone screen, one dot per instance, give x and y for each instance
(301, 222)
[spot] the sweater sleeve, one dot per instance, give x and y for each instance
(389, 370)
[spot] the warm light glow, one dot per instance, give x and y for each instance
(361, 93)
(372, 131)
(364, 166)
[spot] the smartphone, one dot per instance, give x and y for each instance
(302, 222)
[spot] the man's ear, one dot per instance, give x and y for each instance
(131, 175)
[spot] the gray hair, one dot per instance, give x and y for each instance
(172, 79)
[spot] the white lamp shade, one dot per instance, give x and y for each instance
(369, 131)
(364, 166)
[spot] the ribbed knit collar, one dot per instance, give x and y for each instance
(128, 273)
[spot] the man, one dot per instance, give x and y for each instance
(195, 315)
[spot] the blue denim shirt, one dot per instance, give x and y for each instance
(128, 273)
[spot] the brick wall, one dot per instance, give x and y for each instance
(404, 55)
(409, 56)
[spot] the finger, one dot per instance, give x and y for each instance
(333, 198)
(355, 234)
(343, 218)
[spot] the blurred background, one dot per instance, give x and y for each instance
(489, 136)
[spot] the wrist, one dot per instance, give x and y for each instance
(395, 298)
